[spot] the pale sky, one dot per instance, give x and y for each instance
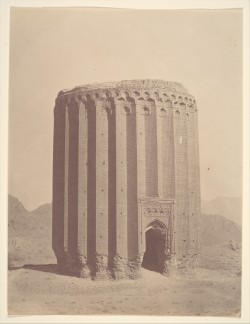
(54, 49)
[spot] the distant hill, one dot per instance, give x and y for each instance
(216, 229)
(231, 208)
(30, 233)
(15, 206)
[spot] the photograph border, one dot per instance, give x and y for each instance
(4, 59)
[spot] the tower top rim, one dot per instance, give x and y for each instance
(142, 84)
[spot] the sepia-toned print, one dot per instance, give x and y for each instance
(125, 192)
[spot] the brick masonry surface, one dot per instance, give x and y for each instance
(125, 176)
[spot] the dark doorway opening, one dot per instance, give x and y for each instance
(154, 256)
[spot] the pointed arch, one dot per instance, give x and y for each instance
(156, 224)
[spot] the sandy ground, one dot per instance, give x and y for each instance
(213, 289)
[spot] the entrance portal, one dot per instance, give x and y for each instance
(154, 256)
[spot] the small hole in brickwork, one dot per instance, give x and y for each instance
(121, 189)
(121, 213)
(102, 190)
(184, 240)
(193, 240)
(103, 162)
(121, 162)
(101, 236)
(192, 213)
(140, 133)
(183, 213)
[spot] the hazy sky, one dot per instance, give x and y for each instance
(54, 49)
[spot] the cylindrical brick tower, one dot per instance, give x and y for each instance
(126, 183)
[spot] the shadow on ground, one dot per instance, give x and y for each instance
(51, 268)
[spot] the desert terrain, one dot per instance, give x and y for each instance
(35, 285)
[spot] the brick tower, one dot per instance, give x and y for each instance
(126, 183)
